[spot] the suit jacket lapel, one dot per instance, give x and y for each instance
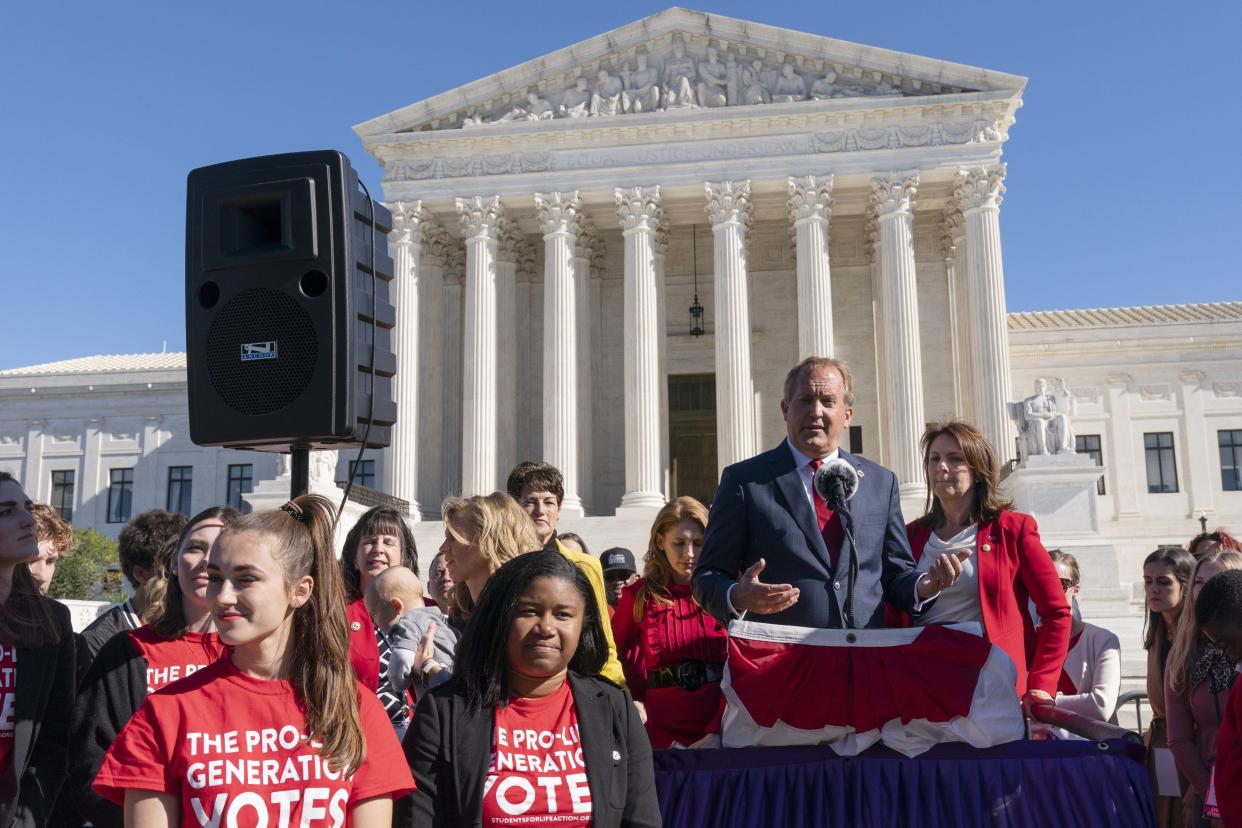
(473, 742)
(594, 718)
(789, 482)
(35, 668)
(986, 569)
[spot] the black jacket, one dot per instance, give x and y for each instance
(46, 681)
(448, 748)
(114, 688)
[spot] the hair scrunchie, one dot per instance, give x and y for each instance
(296, 512)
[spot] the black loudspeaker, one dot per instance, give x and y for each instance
(286, 280)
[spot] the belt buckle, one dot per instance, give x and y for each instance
(691, 675)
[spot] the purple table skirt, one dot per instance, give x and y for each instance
(1039, 784)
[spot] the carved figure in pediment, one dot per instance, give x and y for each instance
(790, 86)
(576, 102)
(713, 80)
(754, 88)
(885, 90)
(536, 109)
(827, 87)
(642, 86)
(607, 97)
(679, 74)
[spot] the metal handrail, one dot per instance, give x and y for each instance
(1080, 725)
(1136, 696)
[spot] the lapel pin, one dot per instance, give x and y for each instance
(616, 756)
(987, 547)
(355, 626)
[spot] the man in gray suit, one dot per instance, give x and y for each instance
(768, 519)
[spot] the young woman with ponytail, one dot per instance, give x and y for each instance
(279, 732)
(178, 639)
(37, 673)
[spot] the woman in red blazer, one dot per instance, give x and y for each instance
(1004, 563)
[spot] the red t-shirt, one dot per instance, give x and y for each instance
(231, 748)
(171, 659)
(537, 775)
(8, 698)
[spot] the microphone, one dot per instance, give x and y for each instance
(836, 481)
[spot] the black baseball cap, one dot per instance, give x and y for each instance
(618, 558)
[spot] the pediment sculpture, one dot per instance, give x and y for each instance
(1043, 421)
(681, 80)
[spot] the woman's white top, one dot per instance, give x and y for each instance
(1093, 664)
(960, 602)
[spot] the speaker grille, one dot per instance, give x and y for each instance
(261, 386)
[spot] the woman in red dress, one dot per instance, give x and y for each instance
(673, 652)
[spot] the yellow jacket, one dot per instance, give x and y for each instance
(595, 574)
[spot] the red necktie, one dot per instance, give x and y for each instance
(829, 523)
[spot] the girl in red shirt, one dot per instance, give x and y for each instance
(37, 673)
(279, 732)
(178, 639)
(673, 651)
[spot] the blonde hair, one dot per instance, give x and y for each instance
(499, 528)
(1188, 641)
(657, 571)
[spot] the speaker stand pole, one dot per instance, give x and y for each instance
(299, 472)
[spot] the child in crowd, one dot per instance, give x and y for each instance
(395, 600)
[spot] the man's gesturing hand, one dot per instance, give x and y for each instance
(943, 573)
(748, 595)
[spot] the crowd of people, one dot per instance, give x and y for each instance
(259, 675)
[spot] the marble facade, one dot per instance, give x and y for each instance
(781, 147)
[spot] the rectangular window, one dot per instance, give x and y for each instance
(363, 472)
(62, 493)
(1230, 459)
(856, 443)
(241, 482)
(1161, 464)
(120, 495)
(1089, 444)
(180, 488)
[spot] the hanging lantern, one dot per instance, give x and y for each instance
(696, 309)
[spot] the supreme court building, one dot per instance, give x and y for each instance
(556, 222)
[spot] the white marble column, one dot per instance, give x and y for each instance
(638, 209)
(978, 191)
(728, 207)
(810, 200)
(32, 478)
(1127, 463)
(1198, 441)
(513, 254)
(661, 251)
(588, 259)
(480, 221)
(901, 371)
(435, 368)
(961, 319)
(401, 456)
(558, 216)
(453, 414)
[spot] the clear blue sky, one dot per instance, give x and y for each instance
(1124, 165)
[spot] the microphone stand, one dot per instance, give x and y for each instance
(847, 524)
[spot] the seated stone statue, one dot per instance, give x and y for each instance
(754, 87)
(885, 90)
(1044, 421)
(825, 87)
(536, 109)
(576, 102)
(607, 97)
(789, 86)
(679, 75)
(642, 87)
(713, 81)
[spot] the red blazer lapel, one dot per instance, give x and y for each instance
(987, 569)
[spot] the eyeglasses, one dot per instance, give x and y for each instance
(1066, 583)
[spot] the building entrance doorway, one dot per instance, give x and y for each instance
(692, 436)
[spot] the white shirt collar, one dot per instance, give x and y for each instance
(801, 460)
